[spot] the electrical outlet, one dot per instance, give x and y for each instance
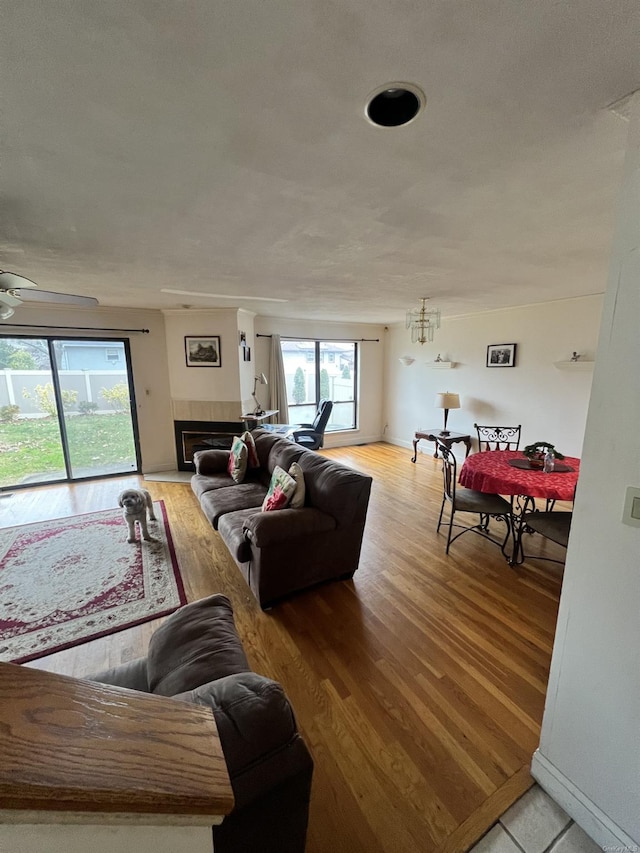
(631, 511)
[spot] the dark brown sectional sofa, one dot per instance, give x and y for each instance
(196, 656)
(287, 550)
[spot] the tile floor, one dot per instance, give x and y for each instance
(536, 824)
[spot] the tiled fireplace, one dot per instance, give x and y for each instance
(192, 436)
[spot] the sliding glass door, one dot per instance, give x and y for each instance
(31, 449)
(65, 410)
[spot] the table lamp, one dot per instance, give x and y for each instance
(262, 379)
(447, 401)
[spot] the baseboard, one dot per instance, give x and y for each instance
(399, 442)
(591, 818)
(348, 439)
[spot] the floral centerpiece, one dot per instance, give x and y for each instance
(536, 452)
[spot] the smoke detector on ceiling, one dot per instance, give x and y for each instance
(395, 104)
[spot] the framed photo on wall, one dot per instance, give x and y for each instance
(202, 351)
(501, 355)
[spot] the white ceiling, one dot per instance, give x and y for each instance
(221, 146)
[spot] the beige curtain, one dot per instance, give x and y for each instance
(277, 383)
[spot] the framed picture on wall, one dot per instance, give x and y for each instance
(202, 351)
(501, 355)
(246, 353)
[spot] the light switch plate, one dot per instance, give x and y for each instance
(631, 512)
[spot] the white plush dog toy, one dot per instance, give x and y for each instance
(135, 504)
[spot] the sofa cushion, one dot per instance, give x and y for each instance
(283, 453)
(280, 491)
(288, 525)
(201, 483)
(196, 644)
(218, 502)
(231, 528)
(252, 461)
(264, 441)
(238, 458)
(334, 488)
(297, 473)
(210, 461)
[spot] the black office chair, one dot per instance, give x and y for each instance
(498, 437)
(468, 500)
(311, 435)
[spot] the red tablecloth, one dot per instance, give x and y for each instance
(490, 472)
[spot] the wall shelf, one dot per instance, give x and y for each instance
(574, 365)
(441, 365)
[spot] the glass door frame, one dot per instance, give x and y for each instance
(57, 393)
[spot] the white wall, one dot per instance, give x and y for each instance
(148, 357)
(104, 838)
(550, 404)
(221, 384)
(245, 321)
(370, 369)
(589, 755)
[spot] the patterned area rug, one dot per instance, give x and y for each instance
(75, 579)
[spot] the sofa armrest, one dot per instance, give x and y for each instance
(132, 675)
(258, 733)
(211, 461)
(268, 528)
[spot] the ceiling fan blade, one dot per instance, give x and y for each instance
(12, 281)
(50, 296)
(9, 298)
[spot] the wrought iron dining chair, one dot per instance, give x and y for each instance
(498, 437)
(469, 501)
(552, 525)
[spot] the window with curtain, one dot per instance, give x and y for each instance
(317, 370)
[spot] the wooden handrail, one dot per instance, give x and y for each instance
(73, 745)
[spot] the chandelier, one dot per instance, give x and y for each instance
(423, 323)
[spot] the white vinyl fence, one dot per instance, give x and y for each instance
(18, 388)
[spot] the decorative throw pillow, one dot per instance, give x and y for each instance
(251, 448)
(237, 466)
(281, 489)
(296, 472)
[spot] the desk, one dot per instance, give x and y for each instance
(490, 472)
(436, 435)
(252, 420)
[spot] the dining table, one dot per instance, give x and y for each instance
(508, 473)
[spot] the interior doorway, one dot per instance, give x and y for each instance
(67, 410)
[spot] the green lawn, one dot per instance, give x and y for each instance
(98, 443)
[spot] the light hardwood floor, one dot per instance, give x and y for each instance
(419, 686)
